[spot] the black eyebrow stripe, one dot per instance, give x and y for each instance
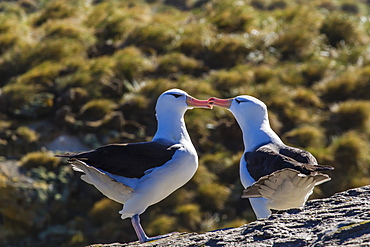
(241, 100)
(176, 95)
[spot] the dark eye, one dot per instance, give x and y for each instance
(237, 100)
(176, 95)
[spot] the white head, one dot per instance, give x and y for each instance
(176, 100)
(251, 114)
(170, 109)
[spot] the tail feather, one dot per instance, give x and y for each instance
(324, 168)
(252, 192)
(271, 184)
(86, 179)
(286, 188)
(302, 180)
(321, 178)
(266, 191)
(111, 188)
(76, 168)
(296, 179)
(65, 155)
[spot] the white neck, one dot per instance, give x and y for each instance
(257, 133)
(171, 127)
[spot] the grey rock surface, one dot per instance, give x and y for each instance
(340, 220)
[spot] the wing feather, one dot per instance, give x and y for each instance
(271, 157)
(129, 160)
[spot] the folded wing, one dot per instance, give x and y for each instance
(272, 157)
(128, 160)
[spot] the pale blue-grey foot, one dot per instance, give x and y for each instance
(135, 220)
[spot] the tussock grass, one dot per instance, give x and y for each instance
(11, 9)
(154, 36)
(352, 8)
(74, 98)
(274, 5)
(37, 159)
(11, 30)
(189, 215)
(306, 136)
(55, 50)
(290, 74)
(263, 73)
(204, 176)
(230, 80)
(229, 15)
(96, 109)
(194, 86)
(174, 63)
(351, 156)
(217, 163)
(297, 34)
(26, 134)
(113, 21)
(315, 70)
(25, 100)
(68, 28)
(352, 83)
(7, 41)
(43, 74)
(195, 37)
(161, 224)
(328, 5)
(103, 209)
(132, 64)
(307, 98)
(57, 9)
(29, 6)
(227, 50)
(357, 55)
(213, 196)
(352, 114)
(340, 29)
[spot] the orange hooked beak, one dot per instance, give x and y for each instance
(196, 103)
(225, 103)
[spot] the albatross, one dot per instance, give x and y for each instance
(138, 175)
(274, 175)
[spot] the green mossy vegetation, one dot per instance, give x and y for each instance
(94, 69)
(39, 159)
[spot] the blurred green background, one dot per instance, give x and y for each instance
(78, 74)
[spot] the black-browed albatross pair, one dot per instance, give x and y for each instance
(141, 174)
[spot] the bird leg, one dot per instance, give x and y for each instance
(135, 220)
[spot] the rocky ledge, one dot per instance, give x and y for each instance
(340, 220)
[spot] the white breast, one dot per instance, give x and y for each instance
(245, 178)
(160, 182)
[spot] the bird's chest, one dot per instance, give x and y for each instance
(245, 177)
(181, 168)
(174, 174)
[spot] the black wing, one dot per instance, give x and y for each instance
(271, 157)
(128, 160)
